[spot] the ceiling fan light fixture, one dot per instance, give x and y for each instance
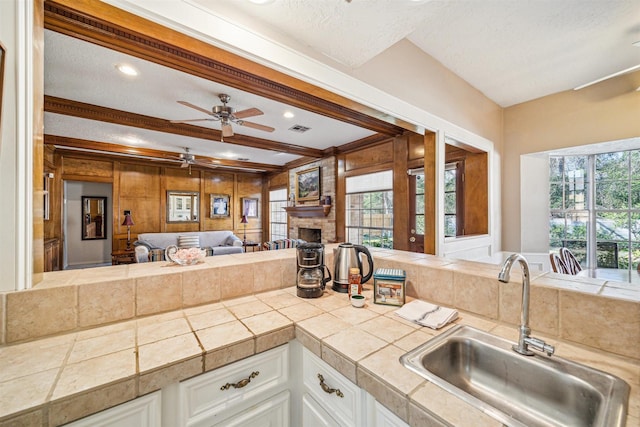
(288, 115)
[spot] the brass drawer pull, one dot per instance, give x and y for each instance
(241, 383)
(328, 389)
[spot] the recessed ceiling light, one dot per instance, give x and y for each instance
(127, 69)
(261, 1)
(288, 115)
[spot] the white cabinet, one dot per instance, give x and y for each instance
(271, 412)
(219, 396)
(326, 388)
(313, 415)
(385, 418)
(141, 412)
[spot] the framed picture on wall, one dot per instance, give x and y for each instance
(308, 185)
(250, 207)
(219, 205)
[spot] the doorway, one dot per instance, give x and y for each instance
(79, 252)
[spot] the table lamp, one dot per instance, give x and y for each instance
(244, 221)
(128, 222)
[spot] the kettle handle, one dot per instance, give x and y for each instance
(363, 249)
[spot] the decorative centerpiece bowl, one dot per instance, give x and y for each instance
(185, 256)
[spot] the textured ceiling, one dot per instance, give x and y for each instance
(511, 50)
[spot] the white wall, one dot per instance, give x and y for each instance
(77, 251)
(15, 142)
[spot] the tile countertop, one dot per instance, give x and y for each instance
(55, 380)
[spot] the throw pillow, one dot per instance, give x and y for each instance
(189, 241)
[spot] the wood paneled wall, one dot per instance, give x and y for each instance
(142, 188)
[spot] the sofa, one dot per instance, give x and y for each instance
(219, 242)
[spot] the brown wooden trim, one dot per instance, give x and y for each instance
(73, 177)
(110, 115)
(111, 150)
(430, 194)
(387, 166)
(362, 143)
(108, 26)
(401, 192)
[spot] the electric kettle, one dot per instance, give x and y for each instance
(346, 256)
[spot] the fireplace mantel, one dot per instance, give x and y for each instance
(308, 211)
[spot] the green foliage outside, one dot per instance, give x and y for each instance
(617, 206)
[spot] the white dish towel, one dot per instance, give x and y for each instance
(426, 314)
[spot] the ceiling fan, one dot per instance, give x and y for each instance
(227, 115)
(187, 159)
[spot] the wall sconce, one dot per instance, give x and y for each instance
(128, 222)
(244, 221)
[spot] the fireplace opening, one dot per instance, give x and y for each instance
(313, 235)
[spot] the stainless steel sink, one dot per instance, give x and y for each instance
(517, 390)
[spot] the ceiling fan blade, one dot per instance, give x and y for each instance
(195, 107)
(193, 120)
(227, 130)
(249, 112)
(256, 126)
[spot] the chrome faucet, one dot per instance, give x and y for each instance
(524, 340)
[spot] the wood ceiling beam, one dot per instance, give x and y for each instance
(110, 115)
(107, 26)
(166, 156)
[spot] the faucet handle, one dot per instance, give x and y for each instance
(540, 345)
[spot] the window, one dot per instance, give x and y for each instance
(453, 199)
(277, 215)
(369, 209)
(595, 208)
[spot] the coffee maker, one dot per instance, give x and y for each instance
(311, 279)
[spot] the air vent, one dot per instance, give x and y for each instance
(299, 128)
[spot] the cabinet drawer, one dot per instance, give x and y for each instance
(340, 397)
(207, 395)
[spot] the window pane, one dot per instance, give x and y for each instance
(634, 157)
(612, 194)
(450, 180)
(557, 229)
(419, 184)
(575, 198)
(420, 224)
(450, 203)
(555, 196)
(449, 225)
(419, 204)
(556, 166)
(369, 218)
(635, 194)
(612, 166)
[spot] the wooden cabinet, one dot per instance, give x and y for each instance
(144, 411)
(52, 255)
(240, 394)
